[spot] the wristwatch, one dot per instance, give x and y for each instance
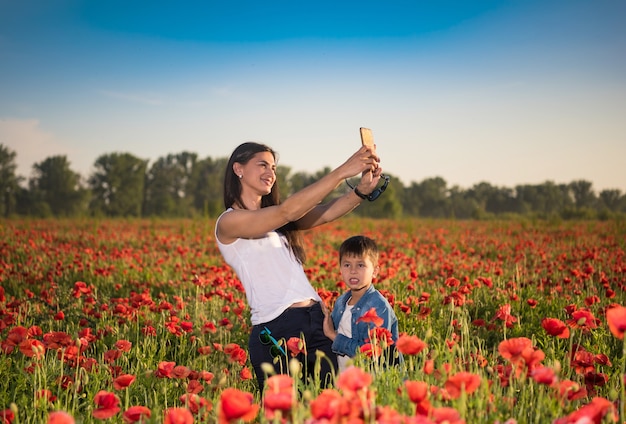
(361, 195)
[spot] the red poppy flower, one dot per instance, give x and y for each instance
(371, 316)
(296, 346)
(15, 336)
(60, 417)
(45, 394)
(107, 405)
(462, 382)
(329, 405)
(371, 351)
(583, 319)
(112, 355)
(164, 369)
(135, 414)
(236, 354)
(504, 314)
(602, 359)
(32, 348)
(208, 327)
(148, 330)
(205, 350)
(533, 357)
(194, 386)
(410, 345)
(123, 345)
(178, 416)
(6, 416)
(512, 349)
(196, 403)
(245, 373)
(123, 381)
(206, 376)
(571, 390)
(225, 322)
(593, 412)
(581, 360)
(596, 379)
(381, 337)
(186, 326)
(236, 405)
(544, 375)
(353, 379)
(388, 415)
(616, 318)
(80, 288)
(555, 327)
(278, 395)
(446, 415)
(180, 371)
(57, 340)
(417, 390)
(429, 367)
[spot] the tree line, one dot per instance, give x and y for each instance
(183, 185)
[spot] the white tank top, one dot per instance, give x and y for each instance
(271, 276)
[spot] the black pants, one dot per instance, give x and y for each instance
(295, 322)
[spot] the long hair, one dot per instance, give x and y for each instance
(232, 194)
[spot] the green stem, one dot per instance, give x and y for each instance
(622, 388)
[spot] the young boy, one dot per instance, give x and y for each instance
(358, 261)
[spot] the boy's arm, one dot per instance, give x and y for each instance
(345, 345)
(329, 328)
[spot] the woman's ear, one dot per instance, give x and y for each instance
(237, 168)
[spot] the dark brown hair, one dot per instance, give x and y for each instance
(359, 246)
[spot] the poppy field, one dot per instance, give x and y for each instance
(125, 321)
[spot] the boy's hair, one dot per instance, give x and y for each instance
(359, 246)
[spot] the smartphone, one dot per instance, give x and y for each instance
(367, 139)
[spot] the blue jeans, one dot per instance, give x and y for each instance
(295, 322)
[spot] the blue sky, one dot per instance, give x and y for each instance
(506, 92)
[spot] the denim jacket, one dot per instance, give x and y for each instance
(371, 299)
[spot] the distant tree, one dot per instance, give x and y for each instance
(9, 181)
(610, 199)
(117, 185)
(206, 186)
(57, 189)
(491, 199)
(547, 199)
(298, 181)
(411, 201)
(462, 206)
(433, 196)
(284, 181)
(168, 185)
(584, 196)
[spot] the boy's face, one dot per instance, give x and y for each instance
(358, 271)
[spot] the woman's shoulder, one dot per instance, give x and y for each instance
(217, 221)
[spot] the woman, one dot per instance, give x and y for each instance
(259, 237)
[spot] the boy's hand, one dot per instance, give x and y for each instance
(329, 328)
